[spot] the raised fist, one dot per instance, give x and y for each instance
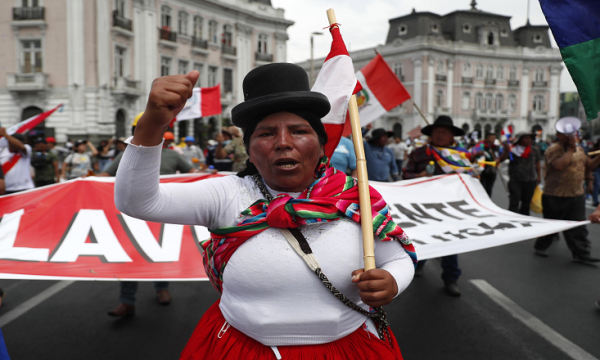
(168, 96)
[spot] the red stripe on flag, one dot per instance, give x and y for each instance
(210, 103)
(337, 45)
(41, 117)
(384, 84)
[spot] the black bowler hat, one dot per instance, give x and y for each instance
(377, 133)
(277, 87)
(445, 121)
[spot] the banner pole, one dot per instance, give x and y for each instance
(366, 216)
(423, 116)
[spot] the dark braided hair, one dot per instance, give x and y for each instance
(313, 120)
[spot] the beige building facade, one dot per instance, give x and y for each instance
(472, 66)
(99, 58)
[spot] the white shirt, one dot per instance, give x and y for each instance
(269, 293)
(19, 176)
(399, 150)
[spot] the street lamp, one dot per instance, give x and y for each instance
(312, 63)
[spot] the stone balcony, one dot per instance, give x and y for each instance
(490, 82)
(27, 82)
(262, 57)
(127, 87)
(28, 13)
(539, 84)
(536, 115)
(467, 80)
(229, 52)
(439, 110)
(513, 83)
(491, 114)
(167, 37)
(441, 78)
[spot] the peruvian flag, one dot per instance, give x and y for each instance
(26, 125)
(204, 102)
(381, 90)
(507, 131)
(337, 81)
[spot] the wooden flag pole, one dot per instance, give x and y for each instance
(419, 110)
(366, 217)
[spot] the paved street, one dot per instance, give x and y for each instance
(73, 324)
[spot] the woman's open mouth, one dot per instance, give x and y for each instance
(286, 164)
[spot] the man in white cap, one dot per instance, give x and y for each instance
(567, 166)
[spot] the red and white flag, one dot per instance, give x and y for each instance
(204, 102)
(337, 81)
(507, 131)
(381, 90)
(26, 125)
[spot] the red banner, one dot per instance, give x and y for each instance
(73, 230)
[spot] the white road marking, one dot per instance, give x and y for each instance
(33, 302)
(556, 339)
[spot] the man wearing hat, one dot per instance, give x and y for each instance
(441, 134)
(16, 161)
(193, 153)
(524, 171)
(567, 166)
(381, 162)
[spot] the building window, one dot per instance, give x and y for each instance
(439, 98)
(467, 70)
(212, 75)
(182, 69)
(479, 101)
(489, 73)
(200, 68)
(435, 28)
(165, 66)
(32, 56)
(197, 27)
(489, 101)
(499, 101)
(538, 103)
(120, 56)
(490, 38)
(539, 74)
(467, 28)
(512, 103)
(263, 39)
(479, 72)
(513, 73)
(119, 7)
(440, 67)
(213, 27)
(537, 39)
(227, 34)
(398, 69)
(466, 100)
(182, 24)
(500, 73)
(227, 80)
(402, 30)
(165, 17)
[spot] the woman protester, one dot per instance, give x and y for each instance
(287, 229)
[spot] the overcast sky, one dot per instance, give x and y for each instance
(364, 24)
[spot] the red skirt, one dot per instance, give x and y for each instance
(214, 339)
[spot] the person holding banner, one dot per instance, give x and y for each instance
(276, 229)
(16, 162)
(441, 134)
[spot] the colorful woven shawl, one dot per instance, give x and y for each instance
(451, 159)
(330, 197)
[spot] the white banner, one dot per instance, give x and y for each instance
(452, 214)
(191, 110)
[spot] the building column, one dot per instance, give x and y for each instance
(554, 94)
(245, 58)
(450, 86)
(524, 106)
(281, 47)
(417, 91)
(103, 47)
(76, 63)
(430, 85)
